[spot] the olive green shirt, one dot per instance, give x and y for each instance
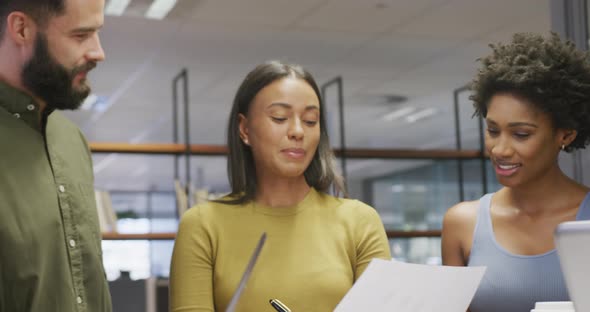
(50, 244)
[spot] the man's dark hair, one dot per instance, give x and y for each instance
(39, 10)
(321, 173)
(550, 73)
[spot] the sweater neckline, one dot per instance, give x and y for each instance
(309, 198)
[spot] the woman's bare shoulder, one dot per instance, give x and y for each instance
(462, 214)
(457, 232)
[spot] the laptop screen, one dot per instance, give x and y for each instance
(572, 240)
(242, 285)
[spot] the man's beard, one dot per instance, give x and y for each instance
(51, 81)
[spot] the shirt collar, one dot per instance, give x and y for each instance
(20, 105)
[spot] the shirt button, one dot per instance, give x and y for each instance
(79, 299)
(17, 115)
(31, 107)
(72, 243)
(62, 188)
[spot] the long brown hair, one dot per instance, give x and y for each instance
(320, 174)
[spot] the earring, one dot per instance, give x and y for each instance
(246, 142)
(563, 147)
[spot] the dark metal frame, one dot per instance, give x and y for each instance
(484, 175)
(182, 76)
(569, 19)
(338, 82)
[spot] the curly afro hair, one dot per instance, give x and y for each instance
(552, 74)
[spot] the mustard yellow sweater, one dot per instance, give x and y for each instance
(313, 254)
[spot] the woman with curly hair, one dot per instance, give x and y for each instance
(534, 94)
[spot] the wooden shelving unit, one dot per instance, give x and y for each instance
(172, 236)
(148, 236)
(413, 234)
(220, 150)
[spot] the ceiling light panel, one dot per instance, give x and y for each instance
(116, 7)
(160, 8)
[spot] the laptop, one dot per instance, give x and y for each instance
(572, 240)
(242, 285)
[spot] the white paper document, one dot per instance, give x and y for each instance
(404, 287)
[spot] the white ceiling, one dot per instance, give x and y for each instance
(421, 49)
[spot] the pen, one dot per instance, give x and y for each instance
(279, 306)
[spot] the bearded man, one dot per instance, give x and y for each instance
(50, 247)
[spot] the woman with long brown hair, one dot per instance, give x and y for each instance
(280, 168)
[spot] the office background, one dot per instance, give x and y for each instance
(402, 64)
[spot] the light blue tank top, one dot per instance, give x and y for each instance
(513, 283)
